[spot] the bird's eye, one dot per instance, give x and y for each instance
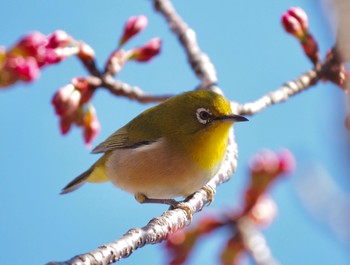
(203, 115)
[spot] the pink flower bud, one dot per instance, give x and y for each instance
(58, 39)
(286, 161)
(292, 26)
(85, 51)
(32, 44)
(91, 125)
(26, 68)
(66, 100)
(264, 211)
(147, 52)
(84, 87)
(65, 124)
(133, 26)
(301, 16)
(51, 57)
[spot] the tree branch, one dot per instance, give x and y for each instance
(255, 243)
(199, 61)
(282, 94)
(119, 88)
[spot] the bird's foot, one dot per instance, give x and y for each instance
(174, 204)
(210, 192)
(142, 198)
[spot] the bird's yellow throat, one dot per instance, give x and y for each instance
(209, 147)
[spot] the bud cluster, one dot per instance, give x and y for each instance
(265, 168)
(71, 106)
(295, 22)
(23, 62)
(145, 53)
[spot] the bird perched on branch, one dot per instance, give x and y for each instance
(170, 150)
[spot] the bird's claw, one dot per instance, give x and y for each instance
(210, 193)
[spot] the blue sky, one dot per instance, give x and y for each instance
(252, 55)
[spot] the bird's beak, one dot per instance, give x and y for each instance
(232, 118)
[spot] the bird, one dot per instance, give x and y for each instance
(170, 150)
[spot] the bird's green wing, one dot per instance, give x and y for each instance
(119, 139)
(143, 130)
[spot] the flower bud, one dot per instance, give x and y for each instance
(133, 26)
(147, 52)
(264, 211)
(286, 161)
(91, 125)
(292, 26)
(84, 87)
(59, 38)
(32, 44)
(85, 51)
(65, 124)
(300, 15)
(25, 68)
(66, 100)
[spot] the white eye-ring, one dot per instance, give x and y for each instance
(203, 115)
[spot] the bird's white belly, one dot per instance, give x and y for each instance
(155, 170)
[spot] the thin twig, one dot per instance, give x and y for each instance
(119, 88)
(199, 61)
(282, 94)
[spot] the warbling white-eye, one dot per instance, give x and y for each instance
(170, 150)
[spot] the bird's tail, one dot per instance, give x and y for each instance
(95, 174)
(77, 182)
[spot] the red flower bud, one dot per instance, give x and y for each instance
(286, 161)
(292, 26)
(58, 39)
(65, 124)
(133, 26)
(84, 87)
(32, 44)
(85, 51)
(301, 16)
(25, 68)
(91, 125)
(147, 52)
(66, 100)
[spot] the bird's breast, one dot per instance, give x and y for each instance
(159, 170)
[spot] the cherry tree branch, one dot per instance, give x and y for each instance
(199, 61)
(98, 79)
(254, 241)
(280, 95)
(119, 88)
